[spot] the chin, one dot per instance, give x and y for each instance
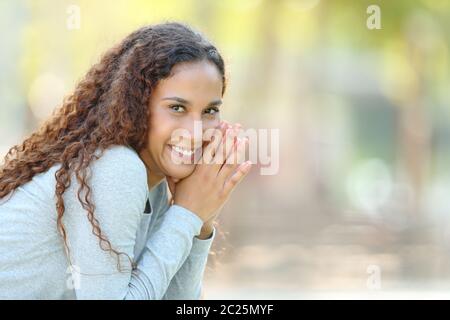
(174, 170)
(179, 171)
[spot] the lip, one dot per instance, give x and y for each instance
(189, 158)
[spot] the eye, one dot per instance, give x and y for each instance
(214, 109)
(176, 108)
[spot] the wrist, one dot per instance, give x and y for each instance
(206, 231)
(189, 207)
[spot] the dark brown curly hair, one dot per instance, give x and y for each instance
(109, 106)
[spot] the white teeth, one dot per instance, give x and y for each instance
(185, 152)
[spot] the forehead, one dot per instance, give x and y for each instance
(191, 81)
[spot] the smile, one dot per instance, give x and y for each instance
(184, 152)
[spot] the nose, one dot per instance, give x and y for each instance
(193, 129)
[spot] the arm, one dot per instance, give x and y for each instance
(166, 251)
(187, 282)
(119, 190)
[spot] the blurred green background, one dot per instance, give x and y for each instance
(359, 207)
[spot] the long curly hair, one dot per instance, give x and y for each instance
(109, 106)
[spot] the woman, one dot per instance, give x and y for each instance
(84, 210)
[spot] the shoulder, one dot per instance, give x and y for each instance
(117, 175)
(120, 158)
(120, 164)
(117, 181)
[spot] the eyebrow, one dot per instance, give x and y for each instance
(181, 100)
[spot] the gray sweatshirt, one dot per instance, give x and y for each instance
(137, 221)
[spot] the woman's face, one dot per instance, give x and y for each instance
(192, 93)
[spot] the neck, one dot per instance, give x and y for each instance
(153, 180)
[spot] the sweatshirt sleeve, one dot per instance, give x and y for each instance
(166, 251)
(119, 189)
(187, 282)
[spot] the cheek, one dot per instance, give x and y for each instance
(161, 130)
(158, 136)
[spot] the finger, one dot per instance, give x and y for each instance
(219, 158)
(235, 159)
(213, 139)
(210, 150)
(240, 151)
(221, 146)
(227, 145)
(231, 151)
(224, 124)
(224, 129)
(237, 177)
(230, 143)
